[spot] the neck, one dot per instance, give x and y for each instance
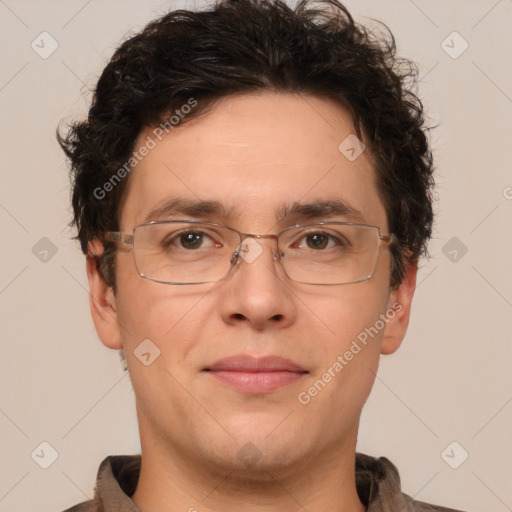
(171, 480)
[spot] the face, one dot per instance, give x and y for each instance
(255, 155)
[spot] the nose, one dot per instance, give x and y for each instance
(257, 293)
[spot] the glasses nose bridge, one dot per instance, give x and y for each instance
(275, 250)
(251, 235)
(254, 235)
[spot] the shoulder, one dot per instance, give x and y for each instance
(86, 506)
(420, 506)
(116, 481)
(378, 485)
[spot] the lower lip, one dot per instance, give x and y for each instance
(257, 382)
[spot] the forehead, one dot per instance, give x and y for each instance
(257, 156)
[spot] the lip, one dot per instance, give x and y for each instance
(256, 375)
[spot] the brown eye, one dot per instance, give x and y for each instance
(191, 240)
(188, 241)
(317, 241)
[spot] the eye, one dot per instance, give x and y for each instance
(189, 240)
(319, 241)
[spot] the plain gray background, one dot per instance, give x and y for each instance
(451, 379)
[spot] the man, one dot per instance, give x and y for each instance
(252, 189)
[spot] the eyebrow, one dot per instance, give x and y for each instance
(187, 207)
(319, 209)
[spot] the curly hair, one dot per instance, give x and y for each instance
(243, 46)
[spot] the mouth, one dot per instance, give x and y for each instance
(256, 375)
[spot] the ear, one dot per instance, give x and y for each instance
(399, 301)
(102, 301)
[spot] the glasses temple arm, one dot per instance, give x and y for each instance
(117, 236)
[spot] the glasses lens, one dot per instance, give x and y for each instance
(183, 252)
(193, 252)
(329, 253)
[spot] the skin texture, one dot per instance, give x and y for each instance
(253, 153)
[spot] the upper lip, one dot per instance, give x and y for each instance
(245, 363)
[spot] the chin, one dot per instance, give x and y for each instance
(252, 454)
(259, 464)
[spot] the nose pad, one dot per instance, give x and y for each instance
(234, 257)
(276, 255)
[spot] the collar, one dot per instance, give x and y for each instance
(377, 483)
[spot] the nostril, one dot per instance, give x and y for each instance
(277, 318)
(239, 316)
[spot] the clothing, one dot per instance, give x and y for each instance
(377, 483)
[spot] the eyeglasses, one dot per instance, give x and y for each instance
(194, 252)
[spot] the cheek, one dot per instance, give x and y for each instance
(349, 338)
(348, 353)
(165, 314)
(342, 312)
(167, 323)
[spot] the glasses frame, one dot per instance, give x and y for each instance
(129, 238)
